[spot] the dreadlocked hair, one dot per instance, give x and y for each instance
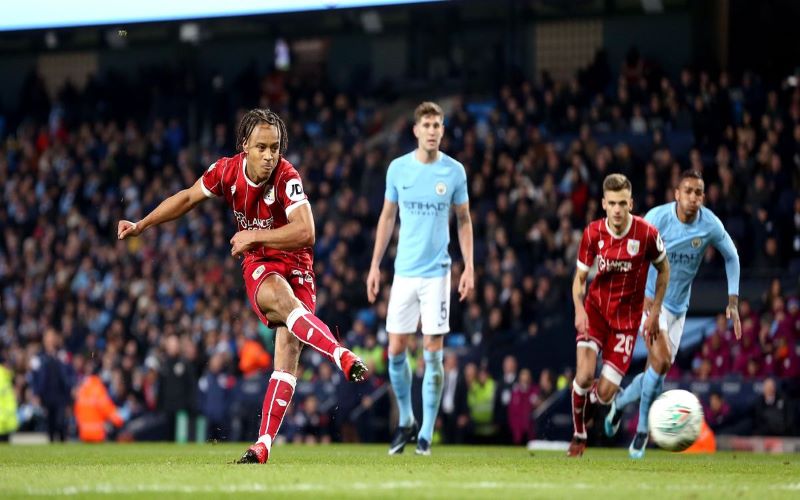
(255, 117)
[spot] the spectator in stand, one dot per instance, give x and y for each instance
(176, 388)
(454, 411)
(215, 393)
(52, 382)
(8, 402)
(774, 413)
(93, 409)
(480, 400)
(717, 412)
(524, 399)
(503, 397)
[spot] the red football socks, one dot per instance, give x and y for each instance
(312, 331)
(276, 401)
(579, 400)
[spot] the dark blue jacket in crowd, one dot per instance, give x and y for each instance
(52, 380)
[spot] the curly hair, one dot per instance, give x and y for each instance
(257, 116)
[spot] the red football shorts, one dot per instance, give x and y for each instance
(301, 280)
(616, 347)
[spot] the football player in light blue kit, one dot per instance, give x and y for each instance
(687, 228)
(422, 185)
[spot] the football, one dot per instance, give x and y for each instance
(675, 420)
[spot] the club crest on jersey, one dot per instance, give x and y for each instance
(696, 243)
(441, 188)
(633, 247)
(601, 244)
(269, 195)
(233, 190)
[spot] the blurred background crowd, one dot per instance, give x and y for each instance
(160, 326)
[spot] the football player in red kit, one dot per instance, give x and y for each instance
(275, 235)
(608, 318)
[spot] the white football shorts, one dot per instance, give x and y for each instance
(670, 323)
(412, 299)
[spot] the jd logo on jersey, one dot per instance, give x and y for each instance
(633, 247)
(294, 190)
(441, 188)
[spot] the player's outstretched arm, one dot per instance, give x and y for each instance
(464, 222)
(578, 297)
(173, 207)
(732, 270)
(651, 328)
(298, 233)
(382, 236)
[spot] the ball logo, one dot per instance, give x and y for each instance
(441, 188)
(633, 247)
(678, 418)
(269, 195)
(294, 190)
(696, 243)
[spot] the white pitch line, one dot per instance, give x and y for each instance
(109, 489)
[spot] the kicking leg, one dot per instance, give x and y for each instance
(279, 304)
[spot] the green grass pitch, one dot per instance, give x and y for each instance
(342, 471)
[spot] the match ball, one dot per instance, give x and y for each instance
(676, 418)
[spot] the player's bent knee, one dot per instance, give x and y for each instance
(433, 343)
(662, 366)
(397, 343)
(276, 300)
(584, 380)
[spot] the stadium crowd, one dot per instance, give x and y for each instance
(162, 319)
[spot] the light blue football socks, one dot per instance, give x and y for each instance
(652, 383)
(400, 376)
(432, 386)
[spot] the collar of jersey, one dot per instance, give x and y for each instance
(624, 233)
(249, 182)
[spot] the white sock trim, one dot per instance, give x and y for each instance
(337, 356)
(285, 377)
(580, 391)
(580, 435)
(267, 440)
(611, 374)
(294, 316)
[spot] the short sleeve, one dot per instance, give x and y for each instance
(460, 194)
(212, 180)
(289, 191)
(655, 246)
(586, 252)
(391, 186)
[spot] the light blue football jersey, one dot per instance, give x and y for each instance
(686, 245)
(424, 194)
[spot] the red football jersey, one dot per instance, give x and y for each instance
(617, 290)
(259, 206)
